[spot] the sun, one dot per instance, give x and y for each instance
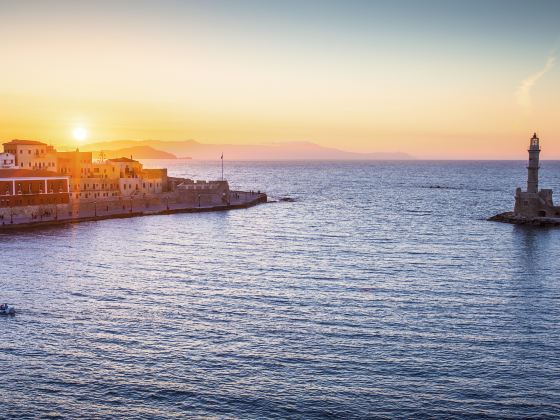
(80, 134)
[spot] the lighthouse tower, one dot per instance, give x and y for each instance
(533, 167)
(534, 203)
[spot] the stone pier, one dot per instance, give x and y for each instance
(122, 207)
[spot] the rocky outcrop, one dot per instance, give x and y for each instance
(510, 217)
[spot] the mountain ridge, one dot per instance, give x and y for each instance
(267, 151)
(138, 152)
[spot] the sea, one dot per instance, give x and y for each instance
(361, 290)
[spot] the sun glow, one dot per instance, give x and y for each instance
(80, 134)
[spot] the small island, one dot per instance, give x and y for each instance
(532, 207)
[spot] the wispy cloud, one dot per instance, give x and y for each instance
(523, 93)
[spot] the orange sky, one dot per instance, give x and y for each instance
(434, 82)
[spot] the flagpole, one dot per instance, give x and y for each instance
(222, 166)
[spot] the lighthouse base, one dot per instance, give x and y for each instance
(535, 204)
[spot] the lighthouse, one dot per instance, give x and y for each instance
(533, 206)
(534, 203)
(533, 167)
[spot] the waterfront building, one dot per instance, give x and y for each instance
(129, 186)
(134, 180)
(24, 187)
(104, 169)
(75, 164)
(534, 202)
(94, 188)
(122, 177)
(7, 161)
(79, 178)
(89, 180)
(125, 167)
(31, 154)
(154, 181)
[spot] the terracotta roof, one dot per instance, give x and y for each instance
(27, 173)
(26, 142)
(122, 159)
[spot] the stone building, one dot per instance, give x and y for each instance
(154, 181)
(31, 154)
(203, 193)
(75, 164)
(35, 179)
(126, 168)
(23, 187)
(93, 188)
(534, 202)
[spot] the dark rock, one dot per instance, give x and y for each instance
(510, 217)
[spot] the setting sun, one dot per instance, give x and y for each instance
(80, 134)
(270, 209)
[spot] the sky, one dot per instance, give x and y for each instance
(436, 79)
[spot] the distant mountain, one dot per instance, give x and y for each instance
(137, 152)
(273, 151)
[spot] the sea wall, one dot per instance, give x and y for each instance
(123, 208)
(36, 212)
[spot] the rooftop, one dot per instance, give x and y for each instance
(27, 173)
(25, 143)
(122, 159)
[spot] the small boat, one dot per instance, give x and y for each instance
(6, 309)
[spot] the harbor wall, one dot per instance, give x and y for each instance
(34, 212)
(113, 209)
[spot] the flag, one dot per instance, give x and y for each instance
(222, 157)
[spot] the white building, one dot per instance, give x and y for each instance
(7, 161)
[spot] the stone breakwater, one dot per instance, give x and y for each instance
(510, 217)
(124, 208)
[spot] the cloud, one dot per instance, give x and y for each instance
(523, 93)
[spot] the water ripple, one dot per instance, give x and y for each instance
(369, 294)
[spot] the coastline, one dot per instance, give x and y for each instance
(247, 200)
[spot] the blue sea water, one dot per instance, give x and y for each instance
(373, 294)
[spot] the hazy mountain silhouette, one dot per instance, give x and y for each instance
(272, 151)
(137, 152)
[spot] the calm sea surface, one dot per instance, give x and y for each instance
(372, 294)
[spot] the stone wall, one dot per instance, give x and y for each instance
(204, 195)
(33, 212)
(535, 204)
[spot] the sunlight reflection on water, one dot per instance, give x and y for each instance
(370, 294)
